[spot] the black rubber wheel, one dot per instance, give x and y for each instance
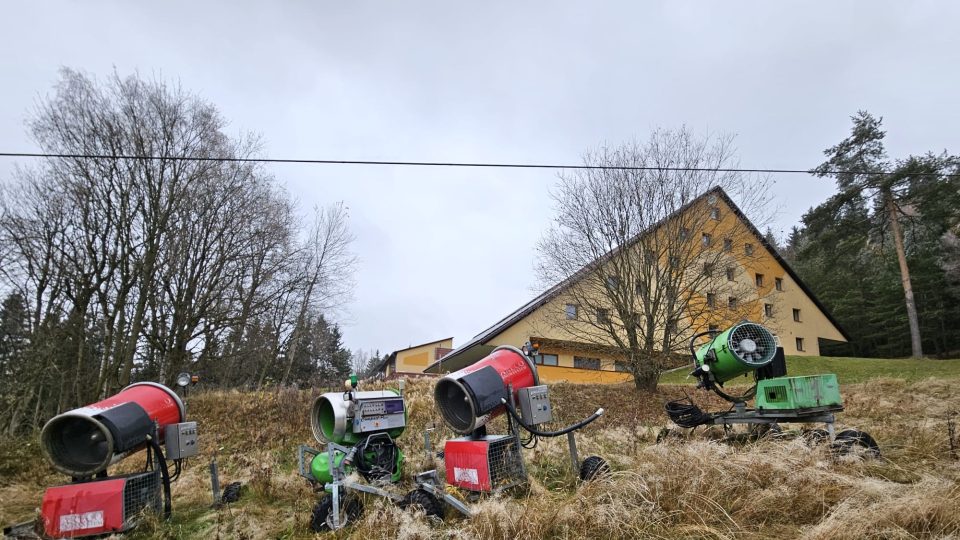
(322, 519)
(424, 501)
(846, 440)
(593, 467)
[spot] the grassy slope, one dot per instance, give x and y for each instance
(697, 489)
(855, 370)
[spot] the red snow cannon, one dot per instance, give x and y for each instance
(85, 441)
(471, 397)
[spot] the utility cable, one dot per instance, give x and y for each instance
(399, 163)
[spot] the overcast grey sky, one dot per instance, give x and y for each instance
(447, 252)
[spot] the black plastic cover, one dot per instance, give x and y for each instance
(776, 368)
(486, 388)
(129, 424)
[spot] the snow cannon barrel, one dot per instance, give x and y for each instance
(471, 397)
(347, 417)
(740, 349)
(85, 441)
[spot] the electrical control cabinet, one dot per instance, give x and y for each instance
(535, 405)
(379, 414)
(181, 440)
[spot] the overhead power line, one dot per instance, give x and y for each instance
(447, 164)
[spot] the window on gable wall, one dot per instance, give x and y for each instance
(715, 213)
(768, 310)
(684, 233)
(711, 299)
(778, 283)
(730, 273)
(706, 240)
(732, 302)
(799, 343)
(759, 280)
(708, 269)
(571, 311)
(727, 244)
(613, 283)
(603, 316)
(748, 249)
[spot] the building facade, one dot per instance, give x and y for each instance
(411, 362)
(745, 279)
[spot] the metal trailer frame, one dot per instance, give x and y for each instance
(742, 415)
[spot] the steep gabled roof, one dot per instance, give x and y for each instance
(554, 291)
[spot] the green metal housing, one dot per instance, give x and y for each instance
(806, 392)
(742, 348)
(320, 466)
(329, 410)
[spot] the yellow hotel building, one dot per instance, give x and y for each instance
(779, 300)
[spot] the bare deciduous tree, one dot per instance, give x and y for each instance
(645, 254)
(326, 267)
(140, 268)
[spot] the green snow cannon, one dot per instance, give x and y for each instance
(359, 429)
(742, 348)
(348, 417)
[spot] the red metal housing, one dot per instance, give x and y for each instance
(100, 506)
(85, 441)
(487, 464)
(459, 404)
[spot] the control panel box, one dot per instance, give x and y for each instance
(535, 405)
(380, 414)
(181, 440)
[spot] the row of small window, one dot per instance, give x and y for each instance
(706, 240)
(758, 278)
(613, 282)
(732, 304)
(578, 361)
(799, 340)
(603, 316)
(573, 313)
(714, 215)
(582, 362)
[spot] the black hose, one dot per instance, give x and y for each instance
(686, 414)
(693, 350)
(383, 461)
(737, 399)
(176, 470)
(564, 431)
(164, 475)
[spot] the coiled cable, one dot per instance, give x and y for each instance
(686, 414)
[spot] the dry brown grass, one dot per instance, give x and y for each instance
(695, 489)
